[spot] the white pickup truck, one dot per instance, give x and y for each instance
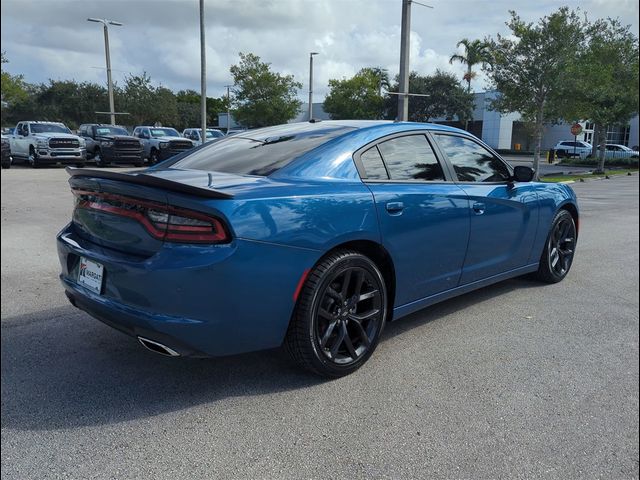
(40, 143)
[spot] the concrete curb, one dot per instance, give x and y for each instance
(610, 177)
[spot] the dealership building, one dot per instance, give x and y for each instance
(509, 132)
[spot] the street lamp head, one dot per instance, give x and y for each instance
(104, 21)
(313, 53)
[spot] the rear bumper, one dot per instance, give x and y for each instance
(199, 301)
(132, 322)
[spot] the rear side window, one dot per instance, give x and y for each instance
(411, 158)
(260, 152)
(373, 165)
(471, 161)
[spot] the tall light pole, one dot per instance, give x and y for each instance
(405, 39)
(311, 54)
(106, 23)
(203, 77)
(403, 84)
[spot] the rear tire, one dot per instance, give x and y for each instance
(6, 163)
(339, 315)
(559, 249)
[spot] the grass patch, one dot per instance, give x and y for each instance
(554, 178)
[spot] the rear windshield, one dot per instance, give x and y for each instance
(259, 152)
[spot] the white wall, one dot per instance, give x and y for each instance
(633, 133)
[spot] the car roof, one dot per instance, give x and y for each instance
(42, 121)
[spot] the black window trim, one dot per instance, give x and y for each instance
(443, 154)
(448, 175)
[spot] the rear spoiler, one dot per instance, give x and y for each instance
(148, 181)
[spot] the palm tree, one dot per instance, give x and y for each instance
(475, 52)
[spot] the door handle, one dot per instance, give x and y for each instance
(479, 208)
(394, 208)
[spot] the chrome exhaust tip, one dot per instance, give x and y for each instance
(158, 347)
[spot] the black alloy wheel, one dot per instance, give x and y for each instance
(339, 316)
(559, 250)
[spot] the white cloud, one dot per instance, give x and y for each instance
(52, 39)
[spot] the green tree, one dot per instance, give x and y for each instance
(530, 67)
(147, 104)
(447, 98)
(602, 86)
(357, 97)
(13, 87)
(189, 109)
(136, 98)
(476, 52)
(262, 97)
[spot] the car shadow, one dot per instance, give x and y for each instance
(457, 304)
(62, 369)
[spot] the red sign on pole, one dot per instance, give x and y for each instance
(576, 129)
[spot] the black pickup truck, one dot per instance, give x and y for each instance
(108, 144)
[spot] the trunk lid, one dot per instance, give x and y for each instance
(123, 211)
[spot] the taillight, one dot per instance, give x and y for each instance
(163, 222)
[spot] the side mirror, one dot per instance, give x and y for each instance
(523, 174)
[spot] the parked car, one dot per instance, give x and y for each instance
(160, 143)
(40, 143)
(6, 152)
(311, 235)
(194, 134)
(569, 148)
(108, 144)
(614, 150)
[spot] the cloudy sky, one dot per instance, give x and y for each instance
(51, 38)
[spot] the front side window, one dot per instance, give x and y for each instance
(471, 161)
(411, 158)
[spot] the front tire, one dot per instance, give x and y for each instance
(153, 157)
(98, 158)
(559, 249)
(339, 315)
(33, 158)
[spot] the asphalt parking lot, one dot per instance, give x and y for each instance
(517, 380)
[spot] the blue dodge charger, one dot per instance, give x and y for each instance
(308, 235)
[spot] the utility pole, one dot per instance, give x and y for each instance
(203, 77)
(403, 85)
(106, 23)
(311, 54)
